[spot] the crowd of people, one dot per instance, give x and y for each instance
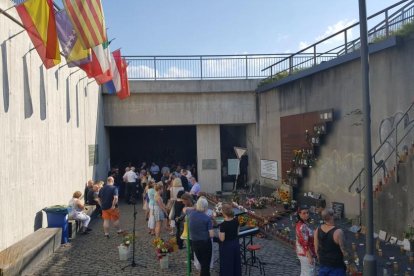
(170, 195)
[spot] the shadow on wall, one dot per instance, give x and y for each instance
(38, 221)
(77, 105)
(5, 70)
(42, 94)
(28, 105)
(67, 100)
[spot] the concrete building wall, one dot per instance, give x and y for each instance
(341, 155)
(47, 121)
(146, 109)
(208, 158)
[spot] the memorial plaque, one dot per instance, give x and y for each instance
(93, 155)
(209, 164)
(338, 209)
(268, 169)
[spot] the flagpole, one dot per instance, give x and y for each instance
(11, 17)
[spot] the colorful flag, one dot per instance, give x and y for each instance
(88, 20)
(38, 19)
(72, 49)
(124, 93)
(100, 66)
(114, 85)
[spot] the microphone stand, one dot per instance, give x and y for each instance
(133, 263)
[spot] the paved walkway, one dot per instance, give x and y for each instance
(93, 254)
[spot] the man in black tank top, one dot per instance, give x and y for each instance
(330, 246)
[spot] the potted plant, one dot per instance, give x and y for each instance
(125, 248)
(162, 249)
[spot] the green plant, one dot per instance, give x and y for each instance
(128, 239)
(281, 75)
(405, 29)
(409, 234)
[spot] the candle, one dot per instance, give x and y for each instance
(395, 265)
(378, 244)
(353, 246)
(380, 252)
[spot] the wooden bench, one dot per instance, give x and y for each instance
(20, 257)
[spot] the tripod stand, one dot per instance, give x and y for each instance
(133, 263)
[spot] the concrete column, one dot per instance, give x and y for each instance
(208, 158)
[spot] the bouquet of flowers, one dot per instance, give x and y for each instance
(246, 220)
(284, 196)
(127, 239)
(256, 203)
(218, 209)
(162, 248)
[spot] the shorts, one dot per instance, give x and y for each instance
(111, 214)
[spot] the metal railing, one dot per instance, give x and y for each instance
(200, 67)
(385, 23)
(391, 146)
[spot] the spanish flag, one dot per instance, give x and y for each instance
(38, 18)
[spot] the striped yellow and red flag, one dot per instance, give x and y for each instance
(38, 18)
(88, 20)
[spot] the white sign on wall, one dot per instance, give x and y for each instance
(233, 166)
(268, 169)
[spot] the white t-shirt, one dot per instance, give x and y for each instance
(130, 176)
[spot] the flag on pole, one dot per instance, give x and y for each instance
(88, 20)
(72, 49)
(100, 66)
(38, 18)
(114, 86)
(119, 83)
(124, 93)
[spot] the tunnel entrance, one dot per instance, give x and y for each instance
(161, 144)
(232, 136)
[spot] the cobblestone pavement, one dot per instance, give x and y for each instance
(93, 254)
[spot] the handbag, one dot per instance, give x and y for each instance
(170, 204)
(172, 211)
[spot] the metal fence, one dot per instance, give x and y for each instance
(200, 67)
(383, 24)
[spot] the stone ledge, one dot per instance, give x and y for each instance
(23, 255)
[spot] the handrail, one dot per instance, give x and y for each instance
(381, 163)
(343, 31)
(201, 66)
(355, 180)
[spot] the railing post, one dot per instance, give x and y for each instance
(346, 41)
(271, 71)
(155, 68)
(396, 153)
(387, 26)
(360, 201)
(290, 64)
(247, 69)
(314, 55)
(201, 67)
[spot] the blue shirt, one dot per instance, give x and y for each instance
(199, 226)
(151, 197)
(106, 195)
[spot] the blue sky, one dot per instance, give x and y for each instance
(193, 27)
